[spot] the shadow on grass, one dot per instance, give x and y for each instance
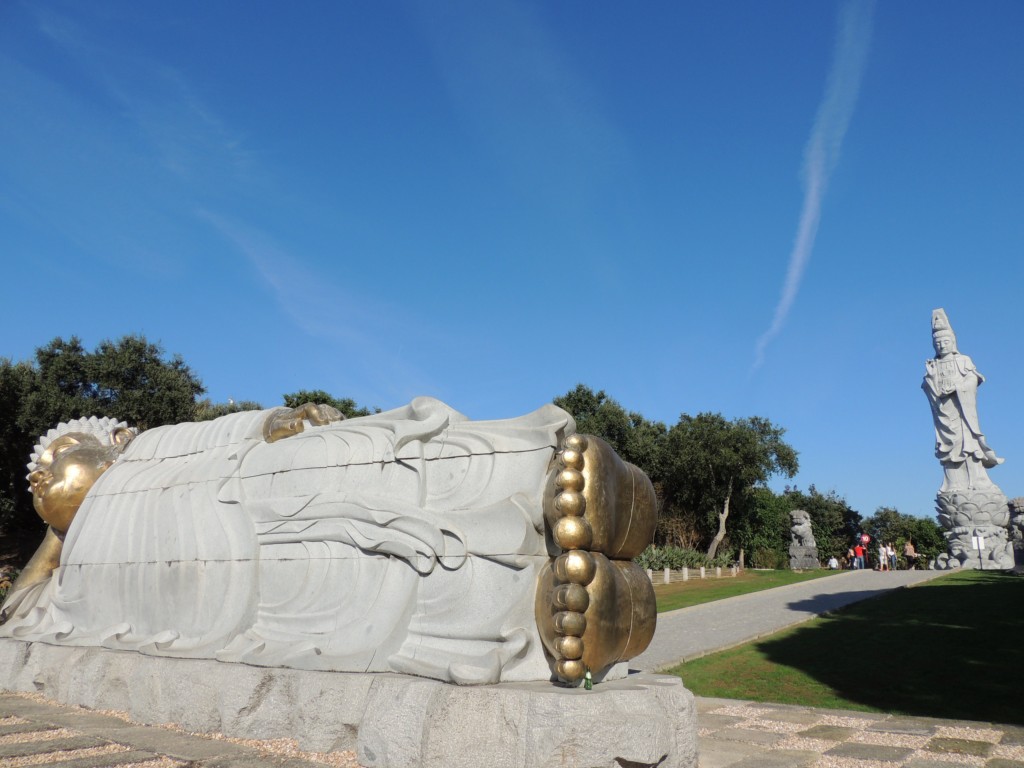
(950, 648)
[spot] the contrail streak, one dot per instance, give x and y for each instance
(822, 151)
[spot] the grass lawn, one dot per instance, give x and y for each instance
(683, 594)
(949, 648)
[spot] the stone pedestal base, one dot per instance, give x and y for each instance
(803, 558)
(390, 720)
(996, 555)
(971, 513)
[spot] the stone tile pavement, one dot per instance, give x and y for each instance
(742, 734)
(733, 734)
(36, 732)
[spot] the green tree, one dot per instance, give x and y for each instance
(16, 381)
(133, 381)
(207, 410)
(884, 525)
(712, 462)
(926, 536)
(762, 530)
(128, 379)
(346, 405)
(636, 439)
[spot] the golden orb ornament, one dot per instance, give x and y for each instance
(570, 669)
(569, 647)
(571, 503)
(571, 459)
(570, 623)
(573, 533)
(577, 566)
(572, 597)
(576, 442)
(570, 480)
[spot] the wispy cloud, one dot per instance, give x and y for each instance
(381, 337)
(108, 149)
(526, 101)
(312, 302)
(155, 98)
(822, 151)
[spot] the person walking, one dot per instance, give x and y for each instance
(890, 551)
(858, 556)
(910, 555)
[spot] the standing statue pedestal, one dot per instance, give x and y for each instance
(803, 558)
(973, 514)
(971, 508)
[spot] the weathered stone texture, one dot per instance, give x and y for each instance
(393, 720)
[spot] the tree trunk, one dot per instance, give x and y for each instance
(722, 517)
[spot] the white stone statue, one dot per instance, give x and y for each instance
(803, 549)
(951, 384)
(408, 541)
(970, 506)
(801, 533)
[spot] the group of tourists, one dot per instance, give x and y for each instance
(884, 557)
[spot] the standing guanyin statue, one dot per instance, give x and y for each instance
(971, 508)
(414, 541)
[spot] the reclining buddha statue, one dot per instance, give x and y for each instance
(414, 541)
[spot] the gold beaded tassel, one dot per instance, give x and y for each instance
(594, 606)
(575, 568)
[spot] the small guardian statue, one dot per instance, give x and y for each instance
(803, 549)
(971, 508)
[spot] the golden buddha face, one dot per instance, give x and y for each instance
(65, 473)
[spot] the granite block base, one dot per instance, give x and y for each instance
(388, 719)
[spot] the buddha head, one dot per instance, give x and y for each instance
(67, 463)
(943, 338)
(944, 342)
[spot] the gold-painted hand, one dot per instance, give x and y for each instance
(287, 422)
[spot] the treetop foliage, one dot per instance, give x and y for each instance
(129, 380)
(633, 437)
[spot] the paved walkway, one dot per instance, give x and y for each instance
(740, 734)
(733, 734)
(38, 732)
(691, 632)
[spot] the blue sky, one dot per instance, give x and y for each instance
(742, 207)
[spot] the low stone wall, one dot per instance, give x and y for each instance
(390, 720)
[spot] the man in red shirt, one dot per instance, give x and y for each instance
(858, 560)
